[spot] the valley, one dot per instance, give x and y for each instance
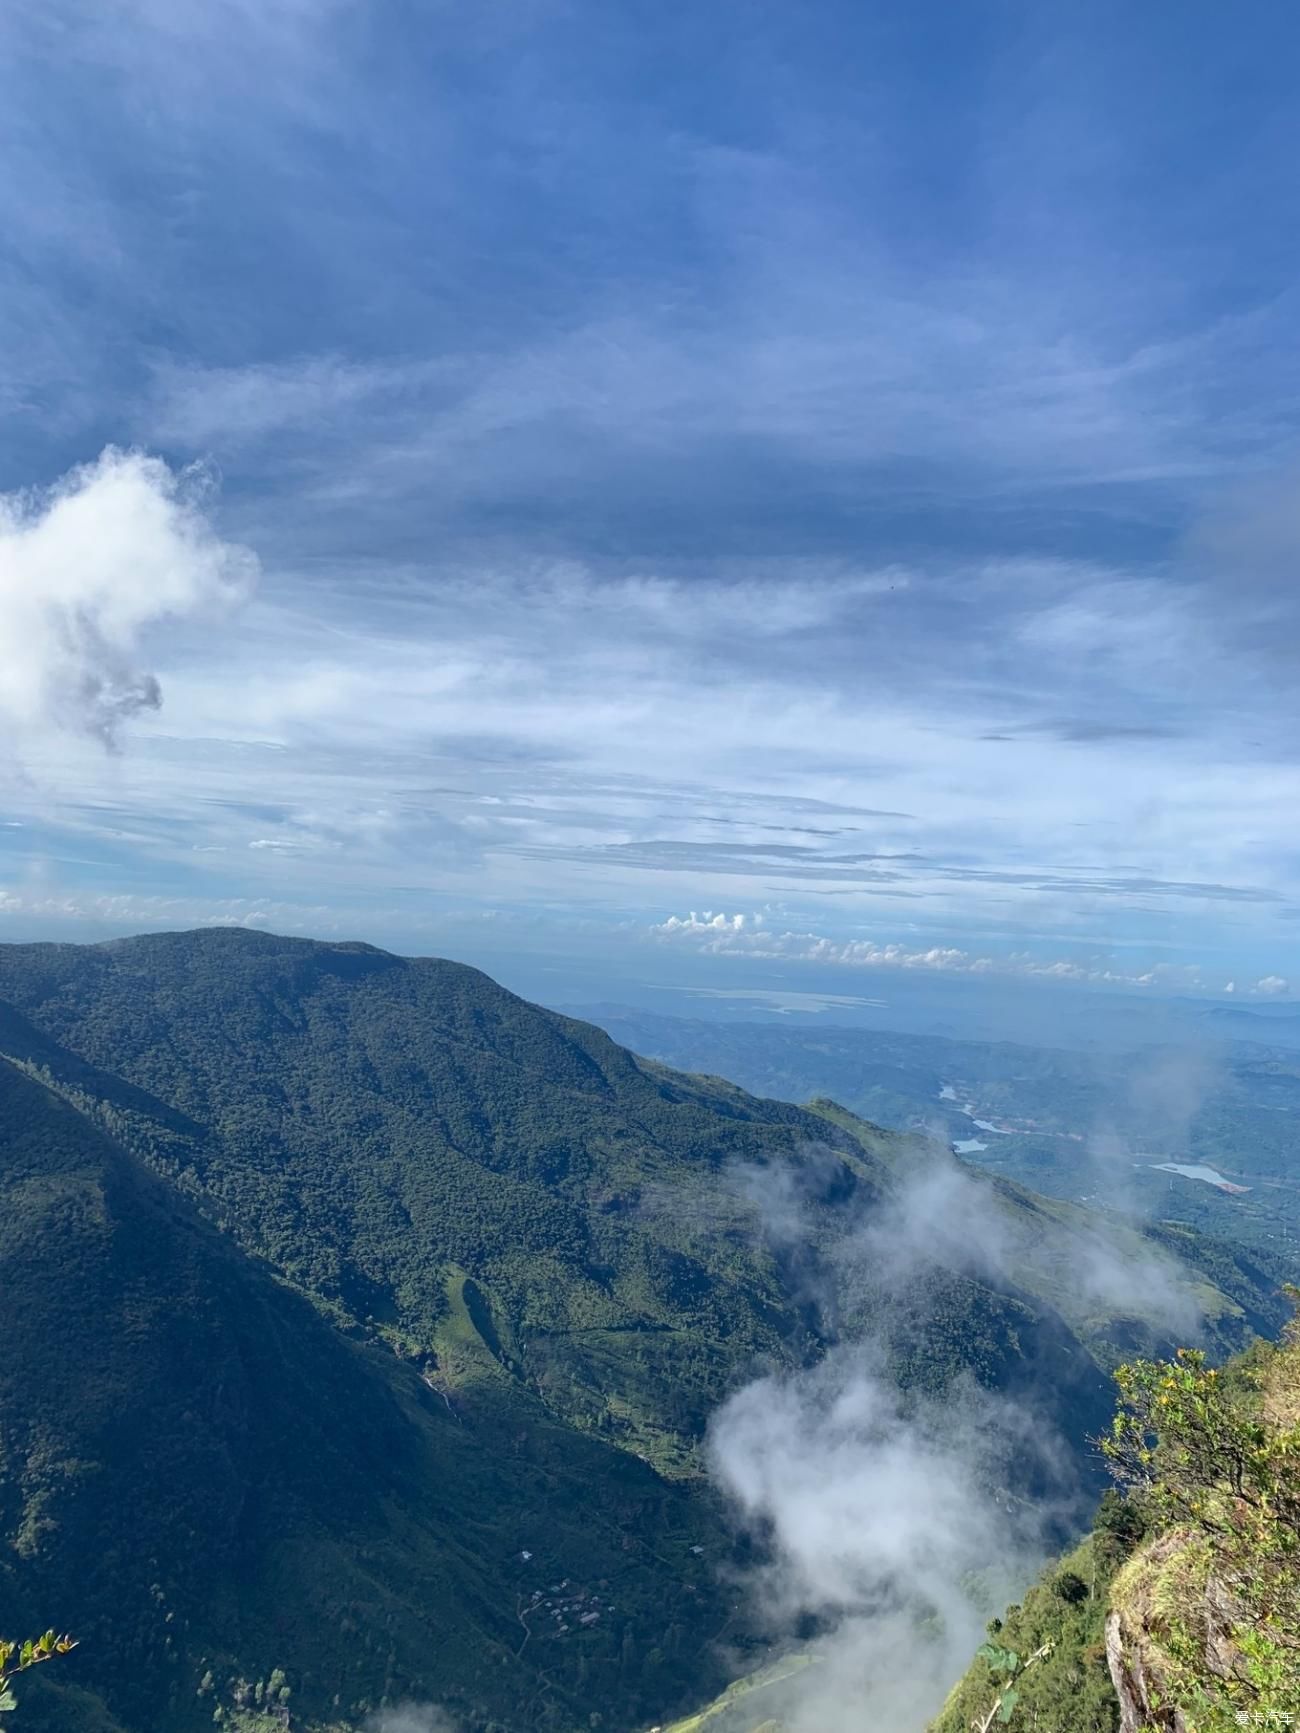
(649, 902)
(1137, 1130)
(411, 1325)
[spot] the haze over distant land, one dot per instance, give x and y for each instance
(656, 491)
(649, 894)
(539, 1303)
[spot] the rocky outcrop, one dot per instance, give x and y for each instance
(1165, 1582)
(1139, 1696)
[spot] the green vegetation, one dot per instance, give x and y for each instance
(216, 1483)
(751, 1704)
(367, 1125)
(363, 1324)
(1235, 1108)
(370, 1126)
(1209, 1617)
(1009, 1670)
(1183, 1605)
(20, 1657)
(1061, 1622)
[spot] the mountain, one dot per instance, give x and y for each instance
(365, 1321)
(1279, 1026)
(1150, 1129)
(207, 1480)
(1178, 1613)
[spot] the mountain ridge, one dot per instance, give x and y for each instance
(259, 1459)
(539, 1237)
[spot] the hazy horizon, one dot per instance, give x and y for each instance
(580, 483)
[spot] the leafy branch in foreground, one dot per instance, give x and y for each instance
(16, 1658)
(1005, 1661)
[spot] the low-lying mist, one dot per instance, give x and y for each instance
(953, 1217)
(410, 1718)
(888, 1541)
(891, 1526)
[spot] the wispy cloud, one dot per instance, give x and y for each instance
(653, 472)
(752, 936)
(89, 912)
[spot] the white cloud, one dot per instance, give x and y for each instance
(551, 736)
(879, 1517)
(883, 1522)
(886, 1517)
(708, 922)
(1272, 986)
(802, 381)
(86, 569)
(746, 936)
(201, 407)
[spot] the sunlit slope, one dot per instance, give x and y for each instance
(369, 1125)
(369, 1279)
(201, 1474)
(1122, 1287)
(754, 1704)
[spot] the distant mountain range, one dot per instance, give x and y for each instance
(1275, 1023)
(1138, 1128)
(364, 1322)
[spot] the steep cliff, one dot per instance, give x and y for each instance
(1181, 1613)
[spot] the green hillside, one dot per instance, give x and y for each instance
(339, 1283)
(1228, 1106)
(370, 1126)
(1179, 1613)
(202, 1476)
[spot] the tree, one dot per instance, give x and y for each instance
(1118, 1527)
(1005, 1663)
(16, 1658)
(1220, 1469)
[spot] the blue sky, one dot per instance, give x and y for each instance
(781, 485)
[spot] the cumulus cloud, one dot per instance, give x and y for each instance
(87, 568)
(708, 922)
(745, 935)
(1272, 986)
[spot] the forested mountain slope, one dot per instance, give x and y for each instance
(1096, 1125)
(339, 1283)
(376, 1128)
(206, 1480)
